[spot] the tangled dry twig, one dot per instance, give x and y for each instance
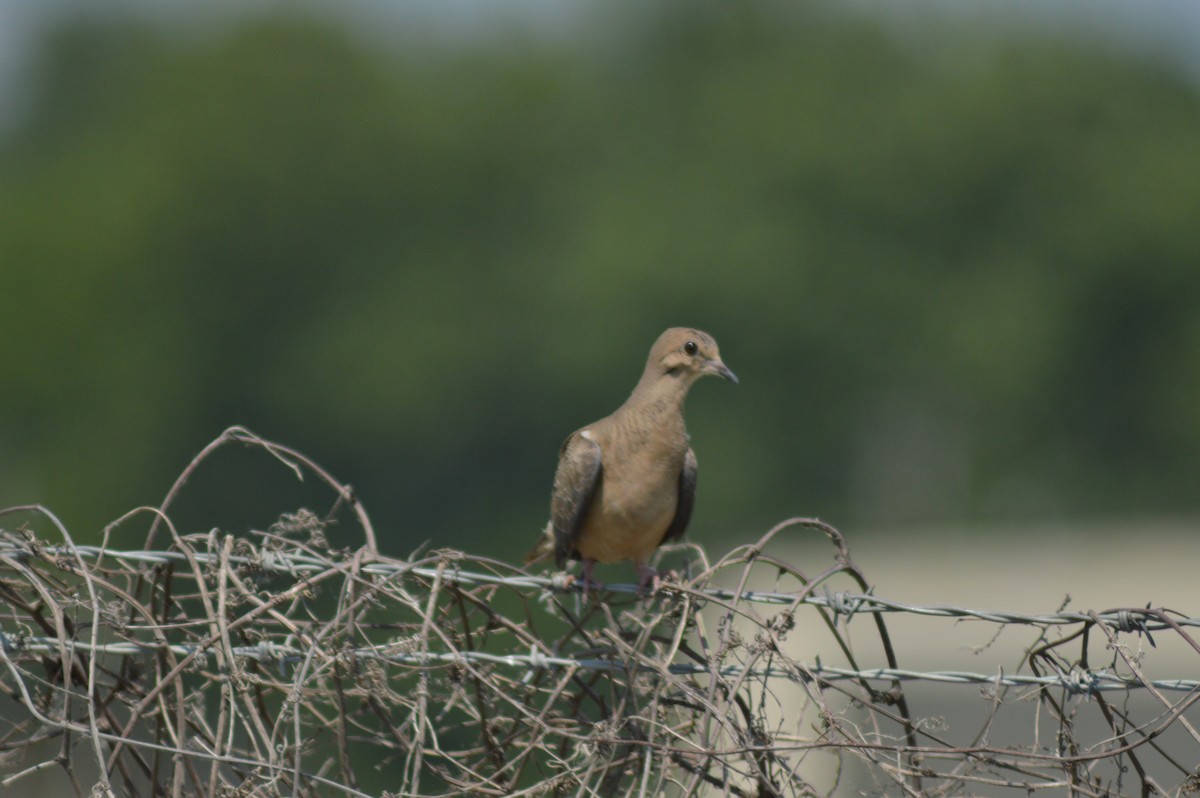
(272, 664)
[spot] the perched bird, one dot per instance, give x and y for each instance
(626, 484)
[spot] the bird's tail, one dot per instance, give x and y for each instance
(543, 549)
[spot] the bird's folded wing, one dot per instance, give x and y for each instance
(687, 498)
(575, 481)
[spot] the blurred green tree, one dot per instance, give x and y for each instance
(958, 282)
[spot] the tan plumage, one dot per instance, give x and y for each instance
(626, 484)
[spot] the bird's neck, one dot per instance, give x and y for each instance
(657, 401)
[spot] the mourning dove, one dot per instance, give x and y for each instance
(626, 484)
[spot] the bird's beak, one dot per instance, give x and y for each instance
(721, 370)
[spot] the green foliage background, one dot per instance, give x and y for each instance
(958, 276)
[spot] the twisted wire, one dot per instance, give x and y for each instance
(268, 652)
(843, 603)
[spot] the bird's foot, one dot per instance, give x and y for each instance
(585, 580)
(649, 578)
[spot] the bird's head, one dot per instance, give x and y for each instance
(689, 354)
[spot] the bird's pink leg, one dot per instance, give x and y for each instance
(648, 578)
(585, 576)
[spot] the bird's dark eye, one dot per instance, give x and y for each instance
(690, 348)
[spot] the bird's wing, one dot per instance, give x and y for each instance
(687, 498)
(575, 481)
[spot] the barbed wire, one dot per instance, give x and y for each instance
(1128, 619)
(270, 653)
(275, 665)
(840, 603)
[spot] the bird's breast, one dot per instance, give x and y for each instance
(632, 508)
